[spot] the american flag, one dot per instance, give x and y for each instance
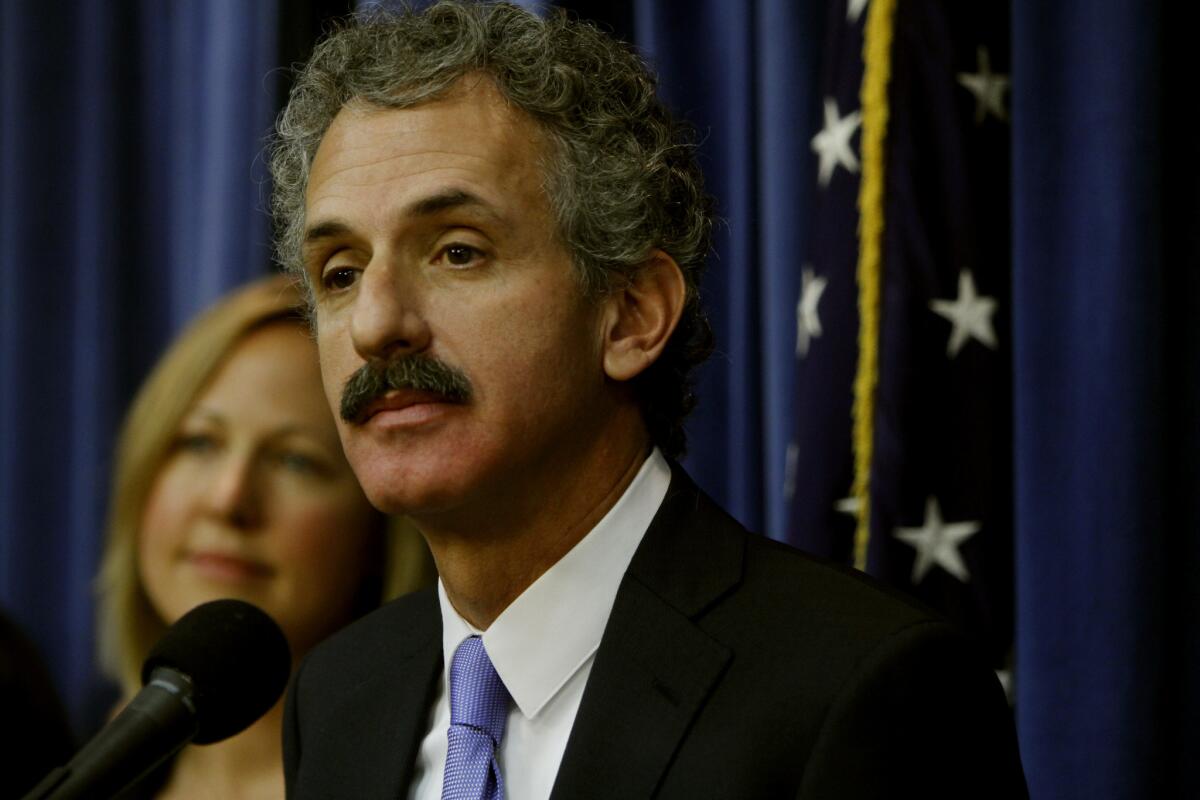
(902, 459)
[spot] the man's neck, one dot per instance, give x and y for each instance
(483, 574)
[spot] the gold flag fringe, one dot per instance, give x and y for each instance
(877, 58)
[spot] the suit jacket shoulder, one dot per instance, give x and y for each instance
(734, 666)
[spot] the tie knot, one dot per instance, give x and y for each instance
(477, 695)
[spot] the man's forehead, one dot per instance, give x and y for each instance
(472, 105)
(470, 128)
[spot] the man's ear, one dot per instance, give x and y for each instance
(640, 317)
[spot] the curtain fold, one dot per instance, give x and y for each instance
(1105, 391)
(744, 74)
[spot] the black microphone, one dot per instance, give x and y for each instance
(215, 671)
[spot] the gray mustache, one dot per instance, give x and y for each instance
(417, 372)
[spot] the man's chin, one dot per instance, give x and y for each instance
(439, 472)
(409, 487)
(414, 504)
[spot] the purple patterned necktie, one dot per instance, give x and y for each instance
(478, 711)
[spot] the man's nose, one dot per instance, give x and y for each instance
(235, 494)
(387, 320)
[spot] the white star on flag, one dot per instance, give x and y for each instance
(969, 313)
(832, 144)
(848, 505)
(1006, 682)
(936, 543)
(808, 320)
(854, 9)
(791, 461)
(988, 87)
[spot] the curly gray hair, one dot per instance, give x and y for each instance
(620, 172)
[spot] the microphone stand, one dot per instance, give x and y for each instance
(122, 752)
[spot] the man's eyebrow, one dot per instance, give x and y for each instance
(424, 207)
(326, 230)
(444, 201)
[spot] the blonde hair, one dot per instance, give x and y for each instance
(127, 624)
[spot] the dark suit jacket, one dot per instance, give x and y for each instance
(731, 667)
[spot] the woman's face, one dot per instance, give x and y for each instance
(255, 499)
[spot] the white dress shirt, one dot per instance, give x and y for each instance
(543, 646)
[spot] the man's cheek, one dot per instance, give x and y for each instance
(335, 371)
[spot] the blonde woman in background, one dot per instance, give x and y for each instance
(230, 482)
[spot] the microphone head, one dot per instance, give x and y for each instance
(237, 659)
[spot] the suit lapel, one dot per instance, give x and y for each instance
(391, 708)
(655, 666)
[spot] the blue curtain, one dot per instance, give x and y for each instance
(1107, 367)
(744, 74)
(130, 197)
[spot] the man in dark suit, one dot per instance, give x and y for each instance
(503, 232)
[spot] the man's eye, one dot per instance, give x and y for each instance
(339, 278)
(460, 255)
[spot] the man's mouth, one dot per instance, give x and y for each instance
(400, 400)
(379, 386)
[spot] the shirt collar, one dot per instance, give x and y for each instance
(555, 625)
